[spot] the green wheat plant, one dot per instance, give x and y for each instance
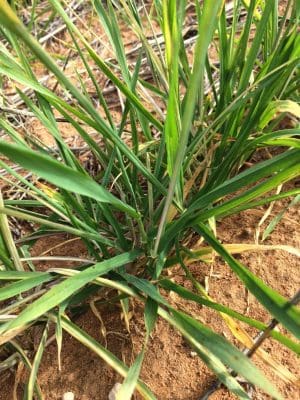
(180, 172)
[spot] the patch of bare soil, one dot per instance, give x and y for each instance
(171, 369)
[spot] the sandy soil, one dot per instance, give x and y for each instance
(170, 368)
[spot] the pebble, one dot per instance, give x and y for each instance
(68, 396)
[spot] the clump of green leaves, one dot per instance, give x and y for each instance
(180, 173)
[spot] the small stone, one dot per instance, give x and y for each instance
(193, 354)
(114, 391)
(68, 396)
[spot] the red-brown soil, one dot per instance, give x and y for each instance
(170, 368)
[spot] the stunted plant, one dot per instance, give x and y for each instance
(191, 126)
